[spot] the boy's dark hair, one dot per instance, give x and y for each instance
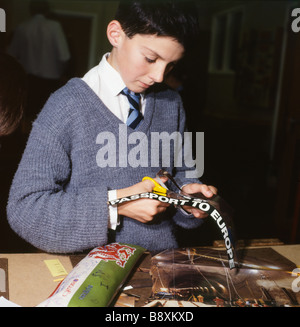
(13, 90)
(177, 19)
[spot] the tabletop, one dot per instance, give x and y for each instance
(27, 279)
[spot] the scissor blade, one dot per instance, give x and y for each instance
(160, 182)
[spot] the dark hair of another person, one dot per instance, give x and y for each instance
(176, 19)
(39, 7)
(13, 93)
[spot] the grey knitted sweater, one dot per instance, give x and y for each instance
(58, 198)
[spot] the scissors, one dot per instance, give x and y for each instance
(161, 189)
(159, 186)
(215, 206)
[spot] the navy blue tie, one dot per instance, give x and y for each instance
(134, 116)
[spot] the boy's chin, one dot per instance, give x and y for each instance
(139, 87)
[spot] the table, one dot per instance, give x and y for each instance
(30, 281)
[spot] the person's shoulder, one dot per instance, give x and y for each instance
(66, 103)
(74, 91)
(165, 95)
(20, 28)
(163, 91)
(54, 24)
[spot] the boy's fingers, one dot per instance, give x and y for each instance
(206, 190)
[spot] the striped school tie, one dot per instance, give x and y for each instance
(134, 116)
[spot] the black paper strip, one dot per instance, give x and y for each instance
(212, 206)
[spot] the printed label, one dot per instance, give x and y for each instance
(113, 252)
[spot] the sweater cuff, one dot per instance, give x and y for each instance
(113, 219)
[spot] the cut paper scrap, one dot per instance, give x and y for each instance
(56, 268)
(4, 303)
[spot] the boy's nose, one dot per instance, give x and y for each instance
(157, 73)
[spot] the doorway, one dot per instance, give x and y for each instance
(79, 29)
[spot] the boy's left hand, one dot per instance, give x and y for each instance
(194, 188)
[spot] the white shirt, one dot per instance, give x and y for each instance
(107, 83)
(41, 47)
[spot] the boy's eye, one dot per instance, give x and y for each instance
(151, 61)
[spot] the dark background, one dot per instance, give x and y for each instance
(245, 100)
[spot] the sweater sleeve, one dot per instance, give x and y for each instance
(185, 173)
(46, 214)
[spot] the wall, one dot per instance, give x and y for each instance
(103, 11)
(261, 19)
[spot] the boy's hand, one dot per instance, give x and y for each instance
(143, 210)
(194, 188)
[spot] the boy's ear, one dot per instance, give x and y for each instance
(115, 33)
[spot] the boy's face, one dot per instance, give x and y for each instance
(144, 59)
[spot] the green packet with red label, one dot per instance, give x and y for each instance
(96, 279)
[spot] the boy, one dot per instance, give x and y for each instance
(80, 150)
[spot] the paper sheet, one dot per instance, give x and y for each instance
(6, 303)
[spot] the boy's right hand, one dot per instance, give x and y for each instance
(143, 210)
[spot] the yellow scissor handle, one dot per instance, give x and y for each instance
(157, 187)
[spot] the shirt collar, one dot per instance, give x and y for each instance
(110, 76)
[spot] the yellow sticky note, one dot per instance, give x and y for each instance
(55, 267)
